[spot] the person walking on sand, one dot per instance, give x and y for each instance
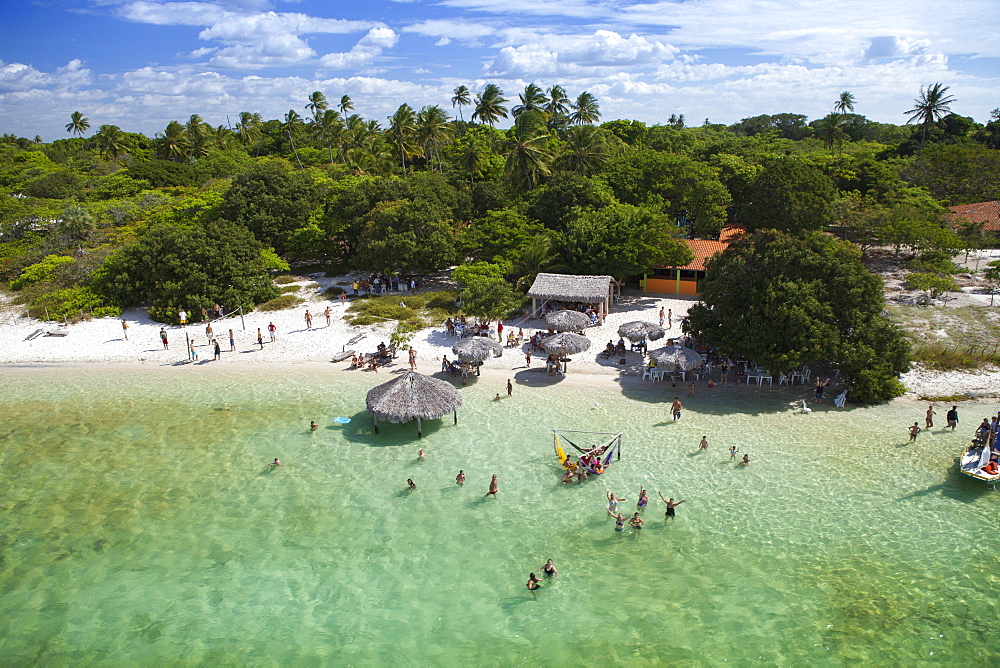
(327, 313)
(914, 432)
(272, 330)
(527, 360)
(500, 331)
(163, 337)
(675, 408)
(820, 386)
(309, 319)
(661, 316)
(260, 339)
(671, 504)
(192, 353)
(670, 319)
(125, 328)
(343, 298)
(493, 486)
(413, 358)
(217, 349)
(208, 333)
(952, 417)
(704, 443)
(232, 342)
(929, 417)
(182, 317)
(510, 388)
(217, 310)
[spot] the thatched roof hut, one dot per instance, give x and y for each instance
(599, 290)
(567, 321)
(671, 357)
(412, 395)
(477, 349)
(639, 330)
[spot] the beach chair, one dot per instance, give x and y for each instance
(647, 373)
(841, 399)
(782, 379)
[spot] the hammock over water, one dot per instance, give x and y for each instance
(608, 446)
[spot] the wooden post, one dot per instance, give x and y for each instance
(375, 421)
(420, 431)
(456, 416)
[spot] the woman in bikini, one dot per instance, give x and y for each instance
(619, 521)
(613, 501)
(643, 499)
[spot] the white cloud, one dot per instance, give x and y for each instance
(364, 52)
(22, 77)
(895, 47)
(450, 29)
(249, 40)
(562, 54)
(572, 8)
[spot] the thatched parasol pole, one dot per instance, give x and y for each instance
(420, 431)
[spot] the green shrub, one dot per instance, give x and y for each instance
(333, 292)
(934, 261)
(417, 311)
(291, 288)
(281, 303)
(285, 279)
(73, 303)
(40, 271)
(934, 284)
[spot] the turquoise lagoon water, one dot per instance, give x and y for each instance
(141, 526)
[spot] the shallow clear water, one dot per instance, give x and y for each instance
(140, 524)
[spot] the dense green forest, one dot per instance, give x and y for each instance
(199, 214)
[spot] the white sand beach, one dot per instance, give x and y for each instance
(102, 341)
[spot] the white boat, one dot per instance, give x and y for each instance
(976, 459)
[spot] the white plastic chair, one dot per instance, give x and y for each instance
(658, 374)
(648, 373)
(782, 379)
(764, 375)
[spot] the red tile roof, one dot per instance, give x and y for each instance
(706, 248)
(987, 213)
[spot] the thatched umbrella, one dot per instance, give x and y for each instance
(410, 396)
(564, 344)
(477, 349)
(639, 330)
(671, 357)
(567, 321)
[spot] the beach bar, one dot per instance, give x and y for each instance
(597, 290)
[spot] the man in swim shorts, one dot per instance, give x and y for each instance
(675, 408)
(493, 486)
(914, 432)
(952, 417)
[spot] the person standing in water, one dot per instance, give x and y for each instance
(746, 460)
(460, 478)
(643, 498)
(275, 463)
(550, 569)
(704, 443)
(613, 500)
(313, 426)
(510, 388)
(675, 408)
(636, 523)
(951, 417)
(929, 417)
(732, 452)
(534, 584)
(914, 432)
(671, 504)
(410, 485)
(494, 487)
(619, 521)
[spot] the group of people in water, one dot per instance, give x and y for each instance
(635, 521)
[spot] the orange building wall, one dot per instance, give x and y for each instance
(669, 286)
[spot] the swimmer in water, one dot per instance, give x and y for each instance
(704, 443)
(313, 426)
(497, 398)
(746, 460)
(568, 476)
(643, 499)
(493, 486)
(636, 523)
(613, 500)
(732, 452)
(671, 504)
(550, 569)
(421, 454)
(619, 521)
(460, 478)
(275, 463)
(533, 583)
(410, 485)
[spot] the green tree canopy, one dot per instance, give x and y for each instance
(407, 236)
(621, 240)
(787, 195)
(486, 295)
(550, 203)
(175, 266)
(790, 300)
(272, 200)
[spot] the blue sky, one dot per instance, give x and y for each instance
(142, 63)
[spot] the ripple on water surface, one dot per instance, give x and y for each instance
(142, 524)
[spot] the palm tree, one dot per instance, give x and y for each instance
(248, 129)
(330, 126)
(535, 258)
(472, 157)
(930, 107)
(489, 105)
(585, 109)
(76, 222)
(197, 132)
(585, 149)
(345, 105)
(528, 154)
(432, 131)
(402, 128)
(111, 142)
(831, 129)
(78, 124)
(532, 99)
(173, 142)
(845, 103)
(317, 104)
(558, 104)
(222, 137)
(291, 127)
(460, 99)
